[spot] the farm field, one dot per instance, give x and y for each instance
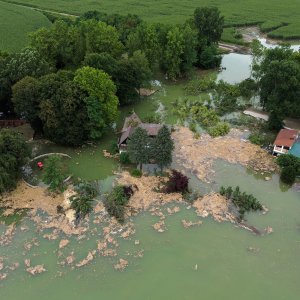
(280, 18)
(15, 23)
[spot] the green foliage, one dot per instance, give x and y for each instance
(286, 160)
(197, 86)
(136, 173)
(244, 202)
(13, 155)
(257, 138)
(248, 88)
(209, 58)
(220, 129)
(124, 158)
(117, 200)
(173, 51)
(209, 24)
(195, 111)
(54, 173)
(82, 201)
(277, 71)
(290, 167)
(288, 175)
(139, 147)
(162, 147)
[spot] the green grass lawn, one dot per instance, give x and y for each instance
(271, 13)
(15, 24)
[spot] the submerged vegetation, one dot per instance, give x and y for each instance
(244, 202)
(117, 200)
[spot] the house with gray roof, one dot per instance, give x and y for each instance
(130, 125)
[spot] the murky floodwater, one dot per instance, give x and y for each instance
(232, 262)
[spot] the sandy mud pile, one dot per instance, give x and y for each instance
(198, 155)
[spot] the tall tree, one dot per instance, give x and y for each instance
(209, 24)
(13, 155)
(173, 51)
(138, 147)
(101, 37)
(163, 147)
(278, 76)
(26, 99)
(102, 103)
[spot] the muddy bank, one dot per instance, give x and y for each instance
(198, 155)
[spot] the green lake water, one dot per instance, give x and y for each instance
(226, 268)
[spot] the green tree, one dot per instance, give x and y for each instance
(163, 147)
(13, 155)
(189, 54)
(54, 173)
(61, 44)
(102, 103)
(288, 175)
(28, 62)
(26, 100)
(278, 74)
(100, 37)
(209, 24)
(139, 147)
(173, 51)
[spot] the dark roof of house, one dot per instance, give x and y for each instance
(286, 137)
(133, 119)
(132, 122)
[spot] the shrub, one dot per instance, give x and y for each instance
(114, 148)
(124, 158)
(152, 118)
(136, 173)
(222, 128)
(256, 138)
(196, 86)
(288, 175)
(193, 127)
(116, 201)
(178, 183)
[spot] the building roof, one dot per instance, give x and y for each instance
(286, 137)
(132, 122)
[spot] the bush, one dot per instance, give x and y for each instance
(116, 201)
(136, 173)
(222, 128)
(257, 139)
(114, 148)
(178, 183)
(197, 86)
(124, 158)
(193, 127)
(288, 175)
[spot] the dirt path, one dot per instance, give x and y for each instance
(41, 9)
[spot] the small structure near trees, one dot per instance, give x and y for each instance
(284, 141)
(146, 142)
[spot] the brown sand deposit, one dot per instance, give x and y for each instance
(198, 155)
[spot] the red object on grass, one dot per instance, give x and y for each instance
(40, 164)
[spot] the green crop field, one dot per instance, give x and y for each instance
(271, 14)
(15, 24)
